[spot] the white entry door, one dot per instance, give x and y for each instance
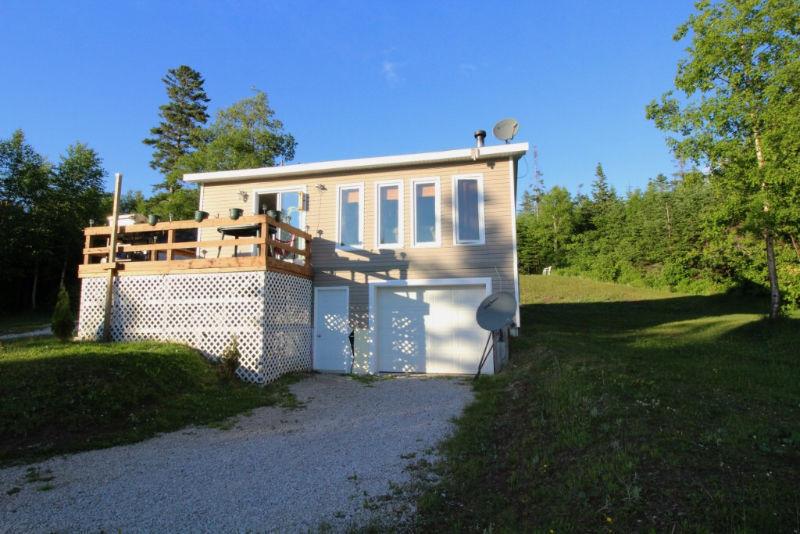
(331, 330)
(430, 329)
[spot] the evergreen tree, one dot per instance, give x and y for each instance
(531, 199)
(181, 119)
(537, 185)
(63, 321)
(528, 203)
(601, 191)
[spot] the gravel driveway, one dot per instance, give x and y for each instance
(275, 470)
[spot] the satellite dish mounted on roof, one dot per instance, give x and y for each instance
(495, 313)
(506, 129)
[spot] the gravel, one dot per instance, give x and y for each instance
(274, 470)
(44, 331)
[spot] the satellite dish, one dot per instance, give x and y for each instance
(496, 311)
(506, 129)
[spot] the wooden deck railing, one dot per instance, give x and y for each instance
(145, 248)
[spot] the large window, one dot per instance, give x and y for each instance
(350, 225)
(468, 210)
(389, 219)
(426, 212)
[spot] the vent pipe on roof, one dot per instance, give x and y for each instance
(480, 135)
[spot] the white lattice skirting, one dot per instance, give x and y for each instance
(268, 312)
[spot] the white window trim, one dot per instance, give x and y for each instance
(360, 187)
(481, 225)
(267, 190)
(400, 228)
(437, 208)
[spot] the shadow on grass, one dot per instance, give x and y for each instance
(638, 313)
(665, 413)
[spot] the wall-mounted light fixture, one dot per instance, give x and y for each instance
(243, 195)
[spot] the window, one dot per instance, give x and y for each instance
(289, 202)
(426, 213)
(389, 219)
(350, 225)
(468, 210)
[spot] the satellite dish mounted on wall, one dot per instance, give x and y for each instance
(495, 313)
(506, 129)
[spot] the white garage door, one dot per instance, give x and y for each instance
(430, 329)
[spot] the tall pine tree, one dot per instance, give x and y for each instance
(181, 121)
(601, 191)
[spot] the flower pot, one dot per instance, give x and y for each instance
(200, 215)
(153, 219)
(235, 213)
(274, 214)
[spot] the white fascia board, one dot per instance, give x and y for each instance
(461, 154)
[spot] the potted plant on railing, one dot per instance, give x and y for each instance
(153, 219)
(200, 215)
(235, 213)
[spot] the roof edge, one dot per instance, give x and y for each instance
(461, 154)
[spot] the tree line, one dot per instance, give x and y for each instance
(673, 233)
(44, 206)
(734, 220)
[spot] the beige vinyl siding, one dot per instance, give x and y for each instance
(354, 268)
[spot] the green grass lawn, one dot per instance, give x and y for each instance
(628, 409)
(64, 397)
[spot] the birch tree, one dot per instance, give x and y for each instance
(735, 88)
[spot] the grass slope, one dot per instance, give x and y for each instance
(65, 397)
(629, 409)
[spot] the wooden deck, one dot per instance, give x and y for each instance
(168, 254)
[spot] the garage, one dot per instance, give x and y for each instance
(430, 327)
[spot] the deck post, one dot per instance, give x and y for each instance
(264, 238)
(170, 240)
(112, 258)
(87, 242)
(307, 259)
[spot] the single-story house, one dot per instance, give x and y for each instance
(370, 265)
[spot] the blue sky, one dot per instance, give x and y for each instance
(352, 79)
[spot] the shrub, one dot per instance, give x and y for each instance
(229, 361)
(63, 321)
